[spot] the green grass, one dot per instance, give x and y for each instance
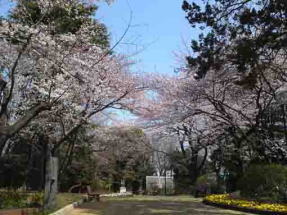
(63, 199)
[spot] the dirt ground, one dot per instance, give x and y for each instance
(182, 205)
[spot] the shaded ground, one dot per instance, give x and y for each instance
(181, 205)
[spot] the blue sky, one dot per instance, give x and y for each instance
(158, 30)
(4, 7)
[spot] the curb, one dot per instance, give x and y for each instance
(67, 209)
(241, 209)
(127, 194)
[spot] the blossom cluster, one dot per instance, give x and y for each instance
(68, 72)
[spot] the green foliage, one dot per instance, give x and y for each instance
(36, 199)
(122, 155)
(206, 184)
(81, 169)
(13, 170)
(101, 185)
(18, 199)
(12, 199)
(126, 156)
(183, 186)
(238, 32)
(187, 168)
(63, 19)
(265, 182)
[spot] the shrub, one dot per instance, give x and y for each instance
(12, 199)
(155, 191)
(101, 185)
(264, 182)
(183, 186)
(12, 171)
(205, 184)
(36, 199)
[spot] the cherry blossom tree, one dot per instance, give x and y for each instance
(45, 72)
(217, 105)
(54, 80)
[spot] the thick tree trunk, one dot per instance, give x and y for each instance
(51, 180)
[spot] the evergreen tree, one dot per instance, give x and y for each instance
(248, 35)
(62, 18)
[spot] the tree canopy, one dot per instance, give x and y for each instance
(245, 34)
(62, 18)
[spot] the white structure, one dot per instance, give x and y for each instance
(123, 188)
(160, 184)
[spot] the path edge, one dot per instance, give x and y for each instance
(68, 208)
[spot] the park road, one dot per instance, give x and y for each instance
(151, 205)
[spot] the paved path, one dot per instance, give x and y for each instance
(151, 206)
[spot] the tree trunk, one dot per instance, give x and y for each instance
(193, 166)
(51, 180)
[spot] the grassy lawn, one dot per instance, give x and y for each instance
(64, 199)
(151, 205)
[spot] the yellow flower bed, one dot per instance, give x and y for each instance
(225, 199)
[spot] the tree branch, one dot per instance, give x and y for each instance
(21, 123)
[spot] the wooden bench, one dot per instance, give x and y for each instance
(92, 195)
